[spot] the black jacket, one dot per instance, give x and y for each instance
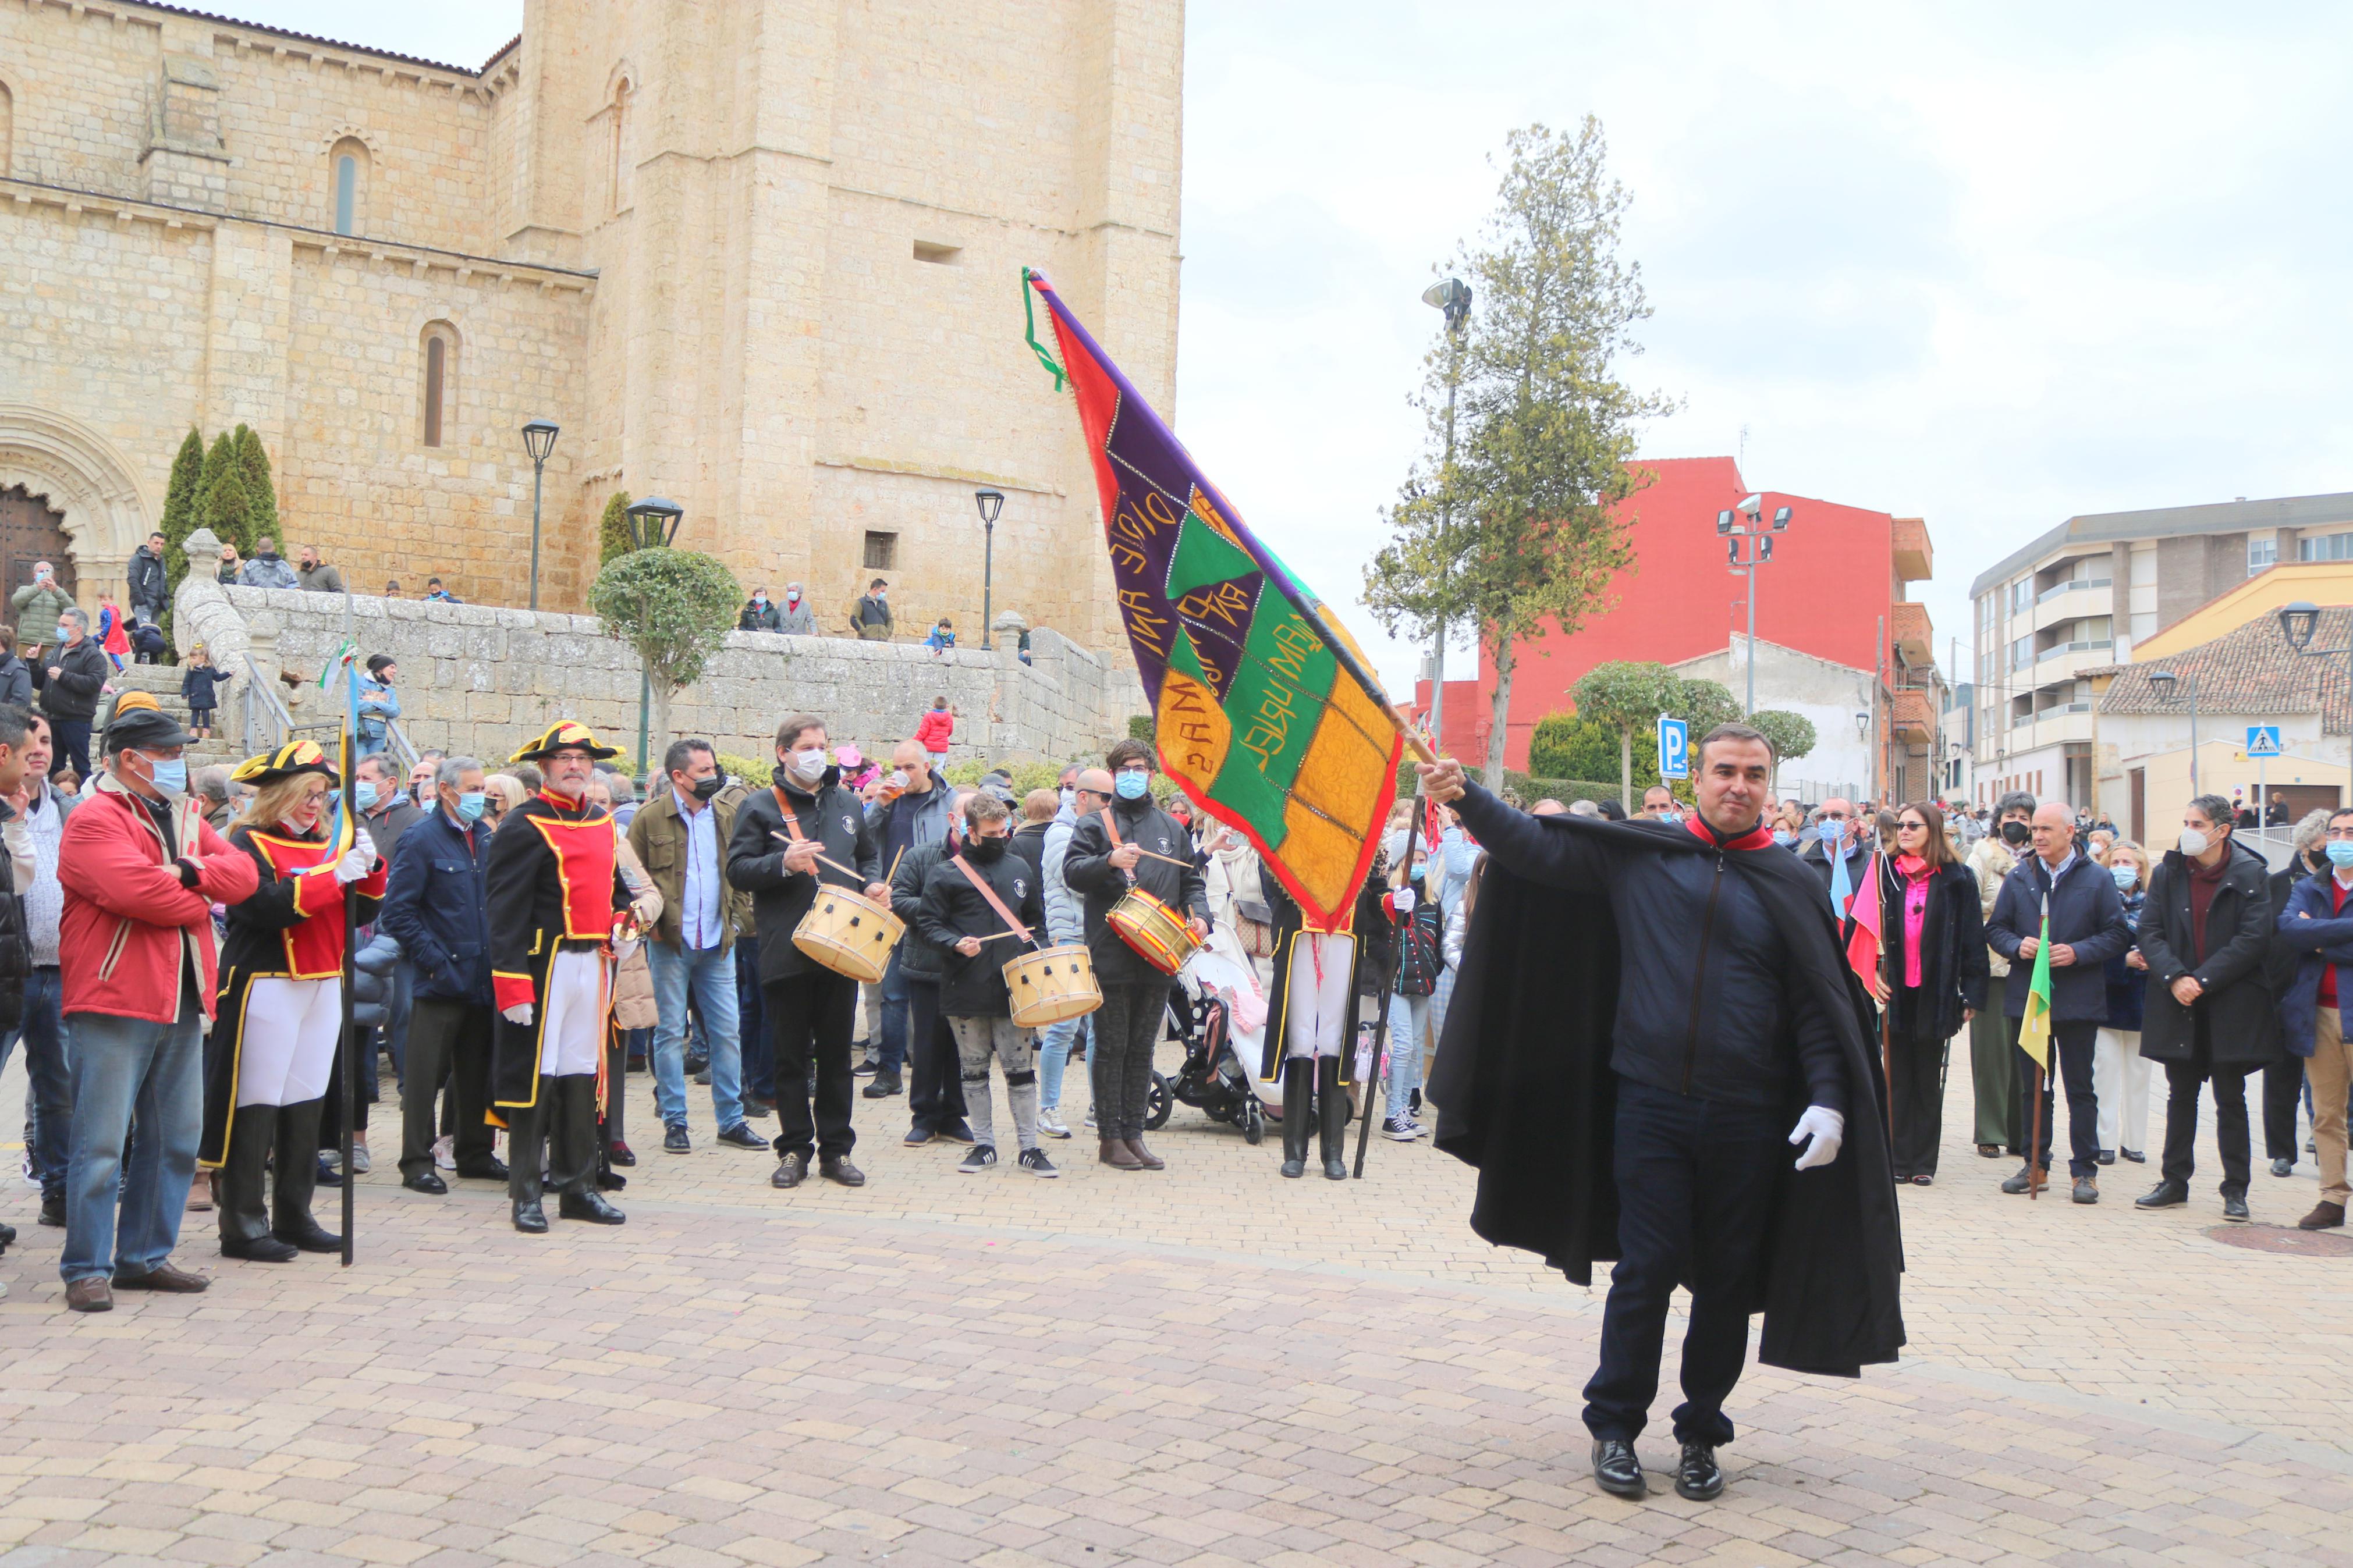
(2087, 915)
(1858, 863)
(1954, 973)
(1029, 843)
(756, 863)
(200, 684)
(434, 906)
(72, 697)
(147, 580)
(1087, 867)
(759, 618)
(2241, 1024)
(1425, 947)
(1525, 1091)
(953, 908)
(15, 946)
(919, 961)
(1705, 1003)
(16, 681)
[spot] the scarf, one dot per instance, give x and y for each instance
(1917, 874)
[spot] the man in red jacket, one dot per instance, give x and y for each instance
(140, 871)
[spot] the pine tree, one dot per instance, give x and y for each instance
(232, 509)
(612, 539)
(180, 506)
(219, 458)
(261, 492)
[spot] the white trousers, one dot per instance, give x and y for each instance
(1315, 1008)
(2120, 1075)
(573, 1013)
(288, 1045)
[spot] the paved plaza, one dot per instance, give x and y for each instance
(1207, 1367)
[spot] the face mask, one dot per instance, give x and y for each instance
(65, 633)
(364, 792)
(792, 598)
(2341, 852)
(1830, 832)
(986, 851)
(705, 788)
(1784, 837)
(807, 766)
(2194, 843)
(172, 777)
(469, 807)
(1132, 785)
(2016, 833)
(2127, 878)
(759, 599)
(1067, 794)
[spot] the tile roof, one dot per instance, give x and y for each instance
(2249, 671)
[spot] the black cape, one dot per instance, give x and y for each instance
(1525, 1094)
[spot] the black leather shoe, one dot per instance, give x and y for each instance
(2234, 1207)
(260, 1249)
(621, 1153)
(530, 1218)
(791, 1171)
(2164, 1195)
(314, 1237)
(674, 1139)
(742, 1137)
(1697, 1475)
(1294, 1168)
(431, 1183)
(2108, 1156)
(759, 1107)
(487, 1171)
(2135, 1155)
(2023, 1180)
(837, 1168)
(1336, 1170)
(2282, 1167)
(884, 1086)
(53, 1210)
(1617, 1469)
(590, 1206)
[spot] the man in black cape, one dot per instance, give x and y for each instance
(1643, 1011)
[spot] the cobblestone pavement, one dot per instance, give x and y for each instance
(1208, 1366)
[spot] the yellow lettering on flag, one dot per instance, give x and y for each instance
(1193, 731)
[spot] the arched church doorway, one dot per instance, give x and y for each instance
(31, 530)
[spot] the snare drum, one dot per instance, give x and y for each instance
(849, 933)
(1154, 930)
(1053, 984)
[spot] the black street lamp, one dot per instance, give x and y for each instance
(2162, 682)
(653, 521)
(539, 440)
(1451, 296)
(2298, 621)
(990, 502)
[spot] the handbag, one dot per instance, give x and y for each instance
(1254, 926)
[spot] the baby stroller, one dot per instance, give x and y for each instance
(1213, 1078)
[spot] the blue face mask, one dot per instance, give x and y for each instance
(65, 633)
(1830, 832)
(2341, 852)
(469, 807)
(364, 792)
(1784, 837)
(2127, 878)
(170, 777)
(1132, 785)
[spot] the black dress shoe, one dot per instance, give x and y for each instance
(53, 1210)
(1697, 1475)
(742, 1137)
(674, 1138)
(837, 1168)
(2282, 1167)
(2234, 1207)
(1617, 1469)
(260, 1249)
(758, 1106)
(2135, 1155)
(530, 1218)
(884, 1086)
(485, 1171)
(590, 1206)
(621, 1153)
(314, 1238)
(1294, 1168)
(791, 1171)
(431, 1183)
(2108, 1156)
(2164, 1195)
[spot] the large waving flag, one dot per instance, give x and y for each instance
(1264, 710)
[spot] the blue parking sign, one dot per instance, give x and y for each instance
(1674, 748)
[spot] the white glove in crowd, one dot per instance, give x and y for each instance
(518, 1013)
(1401, 901)
(1821, 1131)
(358, 860)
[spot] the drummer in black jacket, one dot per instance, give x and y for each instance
(969, 925)
(934, 1094)
(808, 1006)
(1135, 993)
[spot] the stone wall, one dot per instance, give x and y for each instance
(480, 679)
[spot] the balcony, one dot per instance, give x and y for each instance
(1915, 639)
(1914, 714)
(1916, 558)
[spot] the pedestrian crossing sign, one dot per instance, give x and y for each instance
(2262, 741)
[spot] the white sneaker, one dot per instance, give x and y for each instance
(360, 1157)
(444, 1152)
(1049, 1121)
(1091, 1116)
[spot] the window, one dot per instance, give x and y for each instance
(943, 254)
(2328, 547)
(2021, 594)
(2021, 652)
(624, 152)
(437, 384)
(2261, 551)
(347, 171)
(881, 551)
(7, 127)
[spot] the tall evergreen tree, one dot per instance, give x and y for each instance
(179, 518)
(261, 491)
(219, 459)
(613, 531)
(232, 509)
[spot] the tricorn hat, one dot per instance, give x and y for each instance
(293, 757)
(563, 735)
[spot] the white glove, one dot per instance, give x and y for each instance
(623, 947)
(518, 1013)
(1401, 901)
(1822, 1130)
(354, 864)
(363, 845)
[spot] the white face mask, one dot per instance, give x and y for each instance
(807, 766)
(2194, 843)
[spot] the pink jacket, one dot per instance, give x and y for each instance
(129, 923)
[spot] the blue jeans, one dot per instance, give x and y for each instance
(122, 1068)
(1054, 1055)
(1407, 1016)
(49, 1099)
(708, 976)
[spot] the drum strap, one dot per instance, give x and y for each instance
(1112, 829)
(785, 808)
(994, 902)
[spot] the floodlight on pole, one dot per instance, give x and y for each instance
(1451, 296)
(1743, 563)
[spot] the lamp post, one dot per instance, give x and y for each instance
(2163, 681)
(1870, 756)
(2298, 622)
(539, 440)
(1758, 543)
(1453, 297)
(990, 502)
(652, 522)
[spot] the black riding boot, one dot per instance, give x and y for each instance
(244, 1216)
(1298, 1087)
(298, 1179)
(527, 1155)
(574, 1143)
(1334, 1107)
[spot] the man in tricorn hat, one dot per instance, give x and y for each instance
(554, 890)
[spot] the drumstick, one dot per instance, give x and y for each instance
(845, 870)
(1172, 859)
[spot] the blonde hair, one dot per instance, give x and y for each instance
(272, 802)
(2141, 861)
(507, 787)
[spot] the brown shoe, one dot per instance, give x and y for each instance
(1143, 1156)
(164, 1277)
(1117, 1155)
(91, 1293)
(204, 1193)
(2325, 1216)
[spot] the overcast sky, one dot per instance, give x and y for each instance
(1992, 266)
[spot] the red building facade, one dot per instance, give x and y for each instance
(1835, 589)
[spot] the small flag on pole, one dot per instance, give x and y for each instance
(1862, 947)
(334, 665)
(2034, 1029)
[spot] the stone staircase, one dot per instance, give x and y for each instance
(226, 745)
